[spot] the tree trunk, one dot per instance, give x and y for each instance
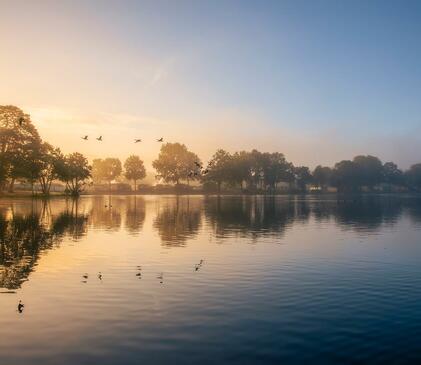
(11, 185)
(135, 191)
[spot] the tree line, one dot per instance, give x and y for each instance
(25, 157)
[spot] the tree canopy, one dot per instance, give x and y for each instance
(134, 169)
(175, 163)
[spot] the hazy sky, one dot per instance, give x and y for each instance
(318, 80)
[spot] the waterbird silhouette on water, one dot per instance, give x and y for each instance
(160, 140)
(99, 138)
(137, 140)
(161, 277)
(85, 276)
(100, 275)
(85, 138)
(20, 306)
(199, 265)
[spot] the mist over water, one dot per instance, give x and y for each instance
(194, 279)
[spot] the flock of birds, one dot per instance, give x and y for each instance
(136, 140)
(197, 171)
(138, 274)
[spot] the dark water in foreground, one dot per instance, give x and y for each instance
(283, 280)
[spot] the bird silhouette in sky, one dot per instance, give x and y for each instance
(85, 138)
(99, 138)
(160, 140)
(137, 140)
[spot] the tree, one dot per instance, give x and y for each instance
(50, 161)
(302, 177)
(276, 169)
(344, 176)
(413, 177)
(218, 168)
(322, 176)
(175, 162)
(134, 169)
(106, 169)
(369, 170)
(392, 174)
(17, 136)
(74, 171)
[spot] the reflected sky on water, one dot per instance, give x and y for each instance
(283, 279)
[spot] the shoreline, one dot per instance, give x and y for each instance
(25, 195)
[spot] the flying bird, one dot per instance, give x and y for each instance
(137, 140)
(160, 140)
(85, 138)
(99, 138)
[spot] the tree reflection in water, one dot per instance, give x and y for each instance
(135, 214)
(249, 216)
(29, 227)
(24, 235)
(178, 220)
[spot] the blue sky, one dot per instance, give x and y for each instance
(317, 80)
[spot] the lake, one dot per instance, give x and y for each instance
(210, 280)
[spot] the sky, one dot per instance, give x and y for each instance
(320, 81)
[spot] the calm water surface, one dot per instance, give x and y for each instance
(283, 280)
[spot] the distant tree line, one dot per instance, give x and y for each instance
(25, 157)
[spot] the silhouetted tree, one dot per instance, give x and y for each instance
(302, 177)
(369, 171)
(74, 171)
(413, 177)
(344, 176)
(19, 140)
(392, 174)
(322, 176)
(219, 169)
(175, 162)
(50, 163)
